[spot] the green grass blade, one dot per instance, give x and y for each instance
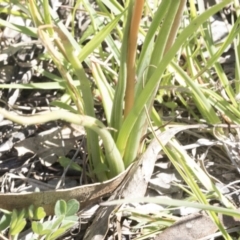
(149, 88)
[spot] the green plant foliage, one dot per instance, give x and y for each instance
(72, 207)
(17, 223)
(39, 213)
(115, 140)
(60, 208)
(65, 162)
(35, 213)
(160, 46)
(5, 221)
(65, 217)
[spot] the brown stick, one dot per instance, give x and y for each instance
(132, 47)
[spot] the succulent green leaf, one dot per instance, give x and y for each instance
(37, 227)
(21, 223)
(39, 213)
(56, 234)
(57, 222)
(5, 222)
(72, 207)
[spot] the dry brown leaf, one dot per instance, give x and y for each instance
(192, 227)
(51, 144)
(86, 195)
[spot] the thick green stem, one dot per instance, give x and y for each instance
(113, 156)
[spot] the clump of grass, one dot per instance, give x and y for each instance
(141, 76)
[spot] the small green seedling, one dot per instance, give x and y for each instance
(65, 218)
